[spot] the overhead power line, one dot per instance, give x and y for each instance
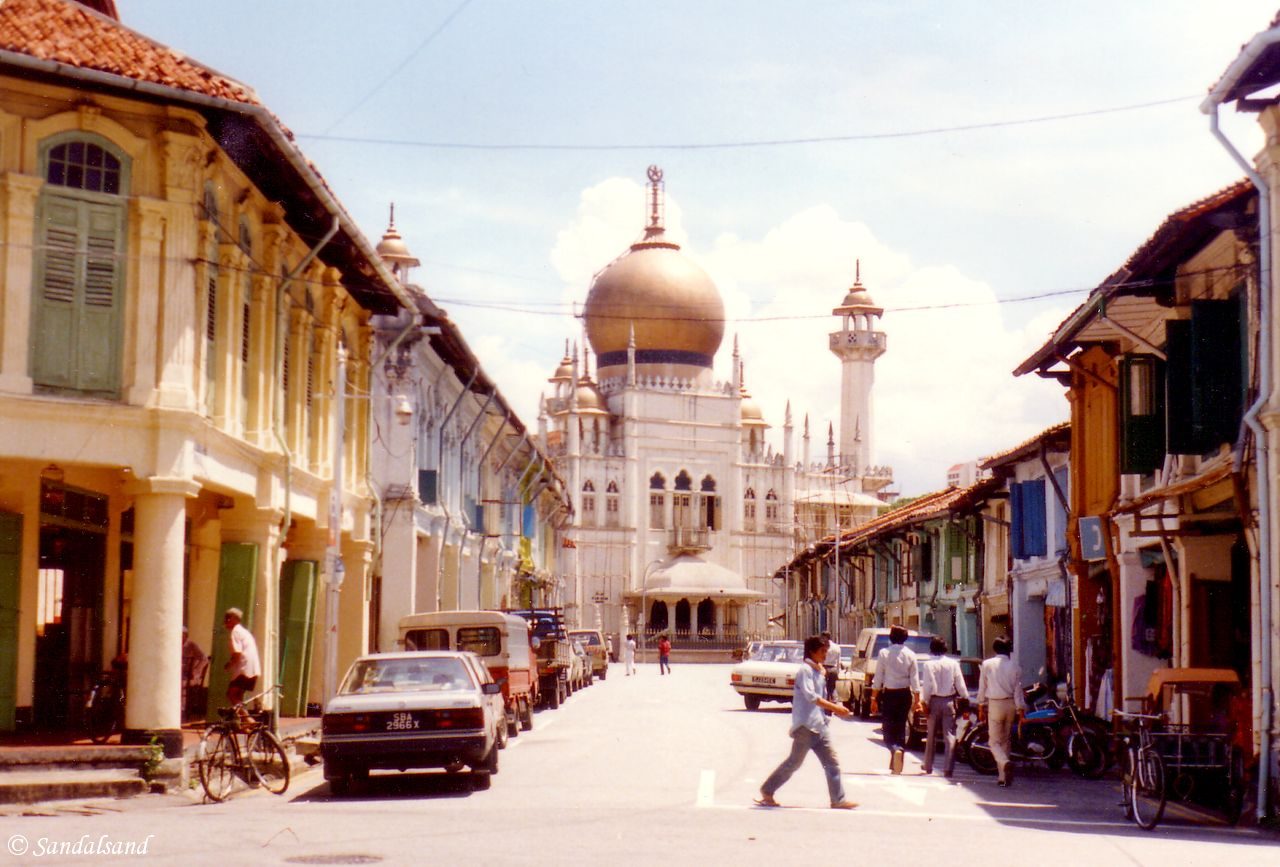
(399, 66)
(724, 145)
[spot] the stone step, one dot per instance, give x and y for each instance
(30, 787)
(71, 758)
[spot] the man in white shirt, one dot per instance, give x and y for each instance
(942, 687)
(1000, 698)
(895, 690)
(243, 666)
(629, 654)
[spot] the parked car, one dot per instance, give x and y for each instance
(770, 673)
(593, 643)
(746, 651)
(434, 709)
(970, 667)
(502, 641)
(579, 667)
(862, 674)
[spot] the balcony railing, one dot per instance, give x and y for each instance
(731, 638)
(689, 539)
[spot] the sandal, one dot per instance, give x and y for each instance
(766, 801)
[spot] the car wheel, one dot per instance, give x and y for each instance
(604, 673)
(915, 740)
(513, 724)
(339, 786)
(500, 735)
(554, 698)
(751, 701)
(526, 715)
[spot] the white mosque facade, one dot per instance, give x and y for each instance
(682, 512)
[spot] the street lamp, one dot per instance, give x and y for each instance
(644, 611)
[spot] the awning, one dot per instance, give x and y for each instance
(1204, 480)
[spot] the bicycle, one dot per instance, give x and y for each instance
(104, 707)
(223, 762)
(1144, 778)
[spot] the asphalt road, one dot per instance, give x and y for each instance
(653, 769)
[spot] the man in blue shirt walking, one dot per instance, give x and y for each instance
(809, 728)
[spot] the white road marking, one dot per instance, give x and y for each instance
(959, 817)
(706, 789)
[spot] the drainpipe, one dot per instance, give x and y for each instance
(1265, 621)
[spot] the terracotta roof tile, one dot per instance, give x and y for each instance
(1001, 457)
(69, 33)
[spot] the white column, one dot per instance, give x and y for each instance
(154, 704)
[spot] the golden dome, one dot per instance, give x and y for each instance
(564, 372)
(669, 300)
(590, 401)
(392, 247)
(858, 299)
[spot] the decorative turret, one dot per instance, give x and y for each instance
(395, 252)
(857, 344)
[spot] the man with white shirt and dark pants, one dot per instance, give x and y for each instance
(1000, 699)
(895, 691)
(941, 689)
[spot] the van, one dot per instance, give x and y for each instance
(502, 642)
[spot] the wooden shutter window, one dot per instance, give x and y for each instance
(1142, 414)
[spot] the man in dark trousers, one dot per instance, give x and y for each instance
(895, 690)
(809, 729)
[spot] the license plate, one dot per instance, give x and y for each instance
(766, 681)
(401, 721)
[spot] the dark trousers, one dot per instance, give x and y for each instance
(895, 708)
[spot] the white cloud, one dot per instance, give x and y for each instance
(944, 392)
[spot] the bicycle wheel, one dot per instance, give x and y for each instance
(1126, 780)
(217, 760)
(269, 761)
(1148, 789)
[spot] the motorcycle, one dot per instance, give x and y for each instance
(1085, 741)
(1031, 740)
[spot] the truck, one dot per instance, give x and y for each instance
(502, 641)
(551, 646)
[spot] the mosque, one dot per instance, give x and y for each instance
(681, 510)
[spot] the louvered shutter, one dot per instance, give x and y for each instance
(78, 285)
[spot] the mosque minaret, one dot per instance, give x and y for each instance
(857, 344)
(683, 510)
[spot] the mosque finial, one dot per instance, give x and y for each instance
(656, 203)
(392, 224)
(857, 271)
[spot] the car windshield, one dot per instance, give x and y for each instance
(779, 653)
(587, 638)
(435, 674)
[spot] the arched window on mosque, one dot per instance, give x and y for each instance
(589, 504)
(708, 484)
(684, 482)
(657, 502)
(611, 503)
(749, 511)
(771, 509)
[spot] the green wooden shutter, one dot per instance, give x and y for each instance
(1178, 387)
(78, 285)
(1142, 414)
(1217, 396)
(297, 622)
(237, 586)
(10, 581)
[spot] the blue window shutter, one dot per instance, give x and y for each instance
(1016, 520)
(1035, 542)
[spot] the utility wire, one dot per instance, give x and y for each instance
(730, 145)
(398, 68)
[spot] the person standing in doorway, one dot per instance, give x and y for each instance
(1000, 699)
(895, 690)
(243, 666)
(942, 691)
(629, 653)
(809, 729)
(664, 655)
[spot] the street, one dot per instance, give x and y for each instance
(657, 769)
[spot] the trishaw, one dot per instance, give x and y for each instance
(1191, 720)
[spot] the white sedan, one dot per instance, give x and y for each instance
(433, 709)
(769, 674)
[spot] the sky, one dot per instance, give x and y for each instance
(987, 163)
